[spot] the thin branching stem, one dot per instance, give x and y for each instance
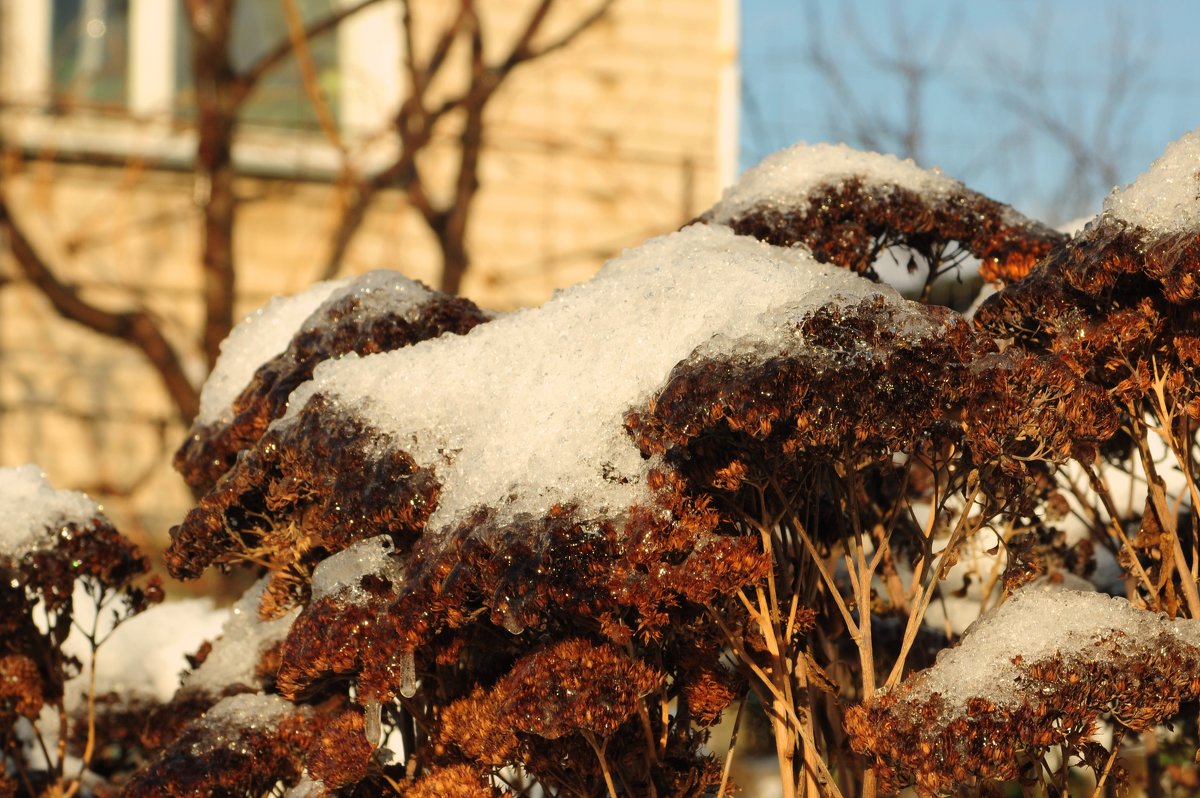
(1100, 487)
(1167, 519)
(917, 614)
(1118, 737)
(733, 738)
(604, 769)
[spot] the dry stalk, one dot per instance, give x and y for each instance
(938, 572)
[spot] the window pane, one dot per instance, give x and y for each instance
(89, 52)
(279, 99)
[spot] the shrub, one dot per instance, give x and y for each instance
(549, 551)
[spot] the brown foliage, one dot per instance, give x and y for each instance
(491, 619)
(851, 222)
(862, 382)
(351, 324)
(40, 583)
(302, 493)
(20, 689)
(454, 781)
(1120, 307)
(228, 758)
(914, 739)
(589, 652)
(340, 754)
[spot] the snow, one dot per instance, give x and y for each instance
(268, 331)
(784, 179)
(381, 289)
(32, 511)
(307, 788)
(1166, 198)
(145, 655)
(1037, 622)
(237, 713)
(234, 657)
(248, 710)
(256, 339)
(527, 411)
(341, 571)
(1073, 227)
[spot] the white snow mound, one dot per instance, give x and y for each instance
(1166, 198)
(527, 411)
(1037, 622)
(784, 179)
(32, 511)
(256, 339)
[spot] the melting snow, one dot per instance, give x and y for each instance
(527, 411)
(1035, 623)
(32, 511)
(785, 178)
(307, 788)
(234, 714)
(1166, 198)
(256, 339)
(343, 570)
(249, 710)
(234, 657)
(265, 333)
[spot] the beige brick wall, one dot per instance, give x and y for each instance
(590, 150)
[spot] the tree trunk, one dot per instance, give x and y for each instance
(217, 103)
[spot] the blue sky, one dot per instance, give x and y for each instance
(1006, 84)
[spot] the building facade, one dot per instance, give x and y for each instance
(625, 133)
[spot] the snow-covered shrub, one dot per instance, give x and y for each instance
(62, 567)
(849, 208)
(546, 552)
(564, 543)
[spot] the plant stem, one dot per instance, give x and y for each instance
(733, 736)
(599, 749)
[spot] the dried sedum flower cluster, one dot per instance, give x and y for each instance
(545, 553)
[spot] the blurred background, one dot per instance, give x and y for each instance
(1043, 104)
(166, 166)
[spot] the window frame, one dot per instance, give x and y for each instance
(369, 57)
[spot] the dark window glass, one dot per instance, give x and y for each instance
(89, 51)
(280, 99)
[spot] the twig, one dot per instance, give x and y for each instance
(916, 615)
(1112, 757)
(608, 779)
(733, 736)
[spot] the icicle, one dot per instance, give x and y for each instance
(374, 725)
(408, 674)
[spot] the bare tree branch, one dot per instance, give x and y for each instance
(911, 57)
(1092, 143)
(137, 327)
(524, 51)
(210, 23)
(415, 124)
(220, 93)
(299, 39)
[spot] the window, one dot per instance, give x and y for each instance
(113, 77)
(280, 99)
(90, 62)
(89, 52)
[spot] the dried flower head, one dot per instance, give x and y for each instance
(850, 221)
(364, 321)
(1003, 694)
(1118, 304)
(242, 746)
